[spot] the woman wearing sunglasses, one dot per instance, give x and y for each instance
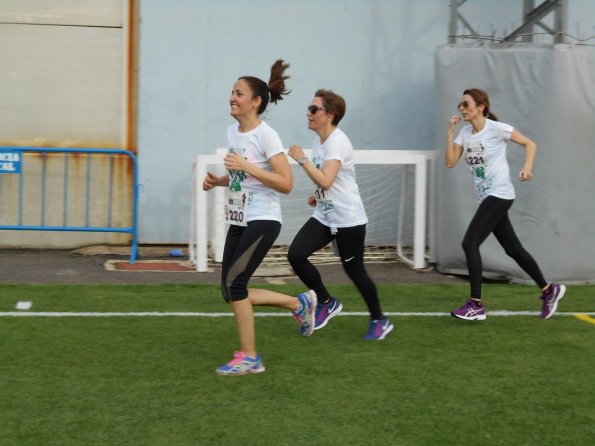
(483, 144)
(339, 214)
(258, 171)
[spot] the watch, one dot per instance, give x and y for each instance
(301, 161)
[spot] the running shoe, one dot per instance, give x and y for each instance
(379, 329)
(241, 365)
(305, 315)
(550, 299)
(471, 311)
(325, 312)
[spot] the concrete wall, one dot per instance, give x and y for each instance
(378, 54)
(61, 73)
(63, 70)
(62, 84)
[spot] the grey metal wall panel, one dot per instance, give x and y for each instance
(61, 86)
(548, 94)
(62, 12)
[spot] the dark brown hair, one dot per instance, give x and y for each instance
(332, 103)
(481, 98)
(274, 91)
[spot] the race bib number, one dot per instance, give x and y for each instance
(475, 155)
(476, 159)
(324, 200)
(236, 209)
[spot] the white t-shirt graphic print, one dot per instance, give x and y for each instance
(341, 205)
(485, 155)
(257, 146)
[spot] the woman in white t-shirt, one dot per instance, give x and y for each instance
(258, 171)
(483, 144)
(339, 214)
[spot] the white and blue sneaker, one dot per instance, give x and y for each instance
(305, 315)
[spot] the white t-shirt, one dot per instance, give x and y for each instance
(340, 206)
(485, 154)
(257, 146)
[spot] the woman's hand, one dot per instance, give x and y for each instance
(312, 200)
(235, 161)
(296, 152)
(452, 124)
(453, 151)
(525, 174)
(210, 181)
(530, 149)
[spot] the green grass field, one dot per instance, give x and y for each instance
(434, 381)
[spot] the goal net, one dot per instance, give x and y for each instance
(394, 188)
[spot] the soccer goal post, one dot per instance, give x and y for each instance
(393, 184)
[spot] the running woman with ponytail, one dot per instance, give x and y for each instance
(483, 144)
(258, 171)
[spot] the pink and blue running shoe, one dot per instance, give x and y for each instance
(241, 365)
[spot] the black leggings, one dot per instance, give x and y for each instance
(245, 248)
(314, 236)
(492, 216)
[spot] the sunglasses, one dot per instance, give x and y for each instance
(463, 104)
(314, 108)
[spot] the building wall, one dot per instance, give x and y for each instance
(63, 75)
(62, 84)
(378, 54)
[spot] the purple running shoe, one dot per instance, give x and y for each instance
(471, 311)
(325, 312)
(550, 299)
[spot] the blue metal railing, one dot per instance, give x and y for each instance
(108, 227)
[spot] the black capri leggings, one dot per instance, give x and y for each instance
(350, 241)
(492, 216)
(245, 248)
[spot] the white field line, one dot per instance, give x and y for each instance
(199, 314)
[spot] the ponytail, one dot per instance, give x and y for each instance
(488, 114)
(277, 81)
(275, 90)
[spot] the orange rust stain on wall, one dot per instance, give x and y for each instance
(132, 76)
